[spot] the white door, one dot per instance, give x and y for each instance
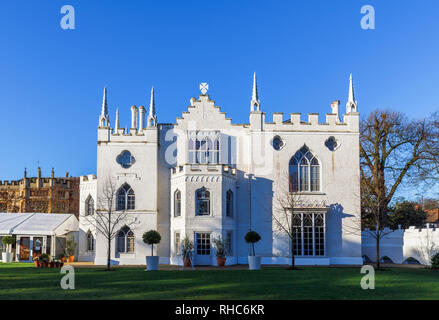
(202, 249)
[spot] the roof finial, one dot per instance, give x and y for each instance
(255, 99)
(152, 117)
(104, 119)
(351, 105)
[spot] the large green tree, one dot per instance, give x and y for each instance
(393, 150)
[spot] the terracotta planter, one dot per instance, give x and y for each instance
(36, 264)
(71, 258)
(221, 261)
(187, 262)
(63, 259)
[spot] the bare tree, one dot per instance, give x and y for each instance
(393, 149)
(285, 212)
(107, 219)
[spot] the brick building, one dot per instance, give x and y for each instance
(40, 194)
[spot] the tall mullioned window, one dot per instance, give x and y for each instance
(203, 202)
(126, 199)
(229, 203)
(309, 234)
(204, 148)
(304, 172)
(177, 203)
(90, 241)
(125, 240)
(89, 206)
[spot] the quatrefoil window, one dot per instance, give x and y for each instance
(125, 159)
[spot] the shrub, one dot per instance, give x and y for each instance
(8, 241)
(186, 246)
(220, 246)
(44, 257)
(435, 261)
(252, 237)
(70, 246)
(152, 237)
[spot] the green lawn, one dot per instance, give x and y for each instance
(23, 281)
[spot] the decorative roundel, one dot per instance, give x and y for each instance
(125, 159)
(331, 143)
(277, 143)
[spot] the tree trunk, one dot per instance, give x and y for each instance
(378, 251)
(152, 250)
(292, 255)
(108, 254)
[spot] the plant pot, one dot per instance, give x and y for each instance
(152, 263)
(52, 264)
(187, 262)
(71, 258)
(6, 257)
(254, 262)
(57, 264)
(36, 264)
(63, 259)
(221, 261)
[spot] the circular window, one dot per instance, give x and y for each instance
(125, 159)
(277, 143)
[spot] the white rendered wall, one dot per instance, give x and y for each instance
(400, 244)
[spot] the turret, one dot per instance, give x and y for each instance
(142, 113)
(152, 117)
(116, 126)
(351, 105)
(104, 119)
(254, 104)
(133, 120)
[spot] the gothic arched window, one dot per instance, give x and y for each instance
(89, 206)
(177, 203)
(229, 203)
(204, 148)
(126, 199)
(125, 240)
(90, 241)
(304, 172)
(203, 202)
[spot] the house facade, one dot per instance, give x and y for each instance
(204, 177)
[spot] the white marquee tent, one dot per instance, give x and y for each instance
(37, 233)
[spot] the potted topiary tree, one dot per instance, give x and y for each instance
(254, 261)
(8, 241)
(186, 251)
(70, 249)
(152, 237)
(220, 251)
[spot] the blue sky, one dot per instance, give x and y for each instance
(51, 80)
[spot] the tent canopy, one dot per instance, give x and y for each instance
(37, 223)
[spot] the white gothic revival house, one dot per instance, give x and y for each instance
(204, 176)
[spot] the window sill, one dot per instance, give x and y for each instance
(308, 193)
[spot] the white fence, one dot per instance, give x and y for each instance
(402, 246)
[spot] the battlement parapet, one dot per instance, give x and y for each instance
(350, 123)
(88, 178)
